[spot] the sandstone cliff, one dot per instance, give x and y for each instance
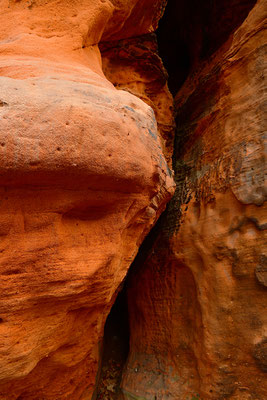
(83, 178)
(89, 136)
(197, 299)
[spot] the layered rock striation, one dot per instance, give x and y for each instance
(196, 294)
(82, 179)
(87, 123)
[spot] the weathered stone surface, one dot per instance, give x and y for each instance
(197, 311)
(134, 65)
(260, 354)
(261, 271)
(82, 180)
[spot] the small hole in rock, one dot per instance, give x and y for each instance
(34, 163)
(1, 320)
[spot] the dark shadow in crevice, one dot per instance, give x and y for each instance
(188, 34)
(115, 346)
(192, 30)
(115, 349)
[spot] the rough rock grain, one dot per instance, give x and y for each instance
(82, 180)
(197, 300)
(134, 65)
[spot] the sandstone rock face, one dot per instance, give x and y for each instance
(84, 175)
(134, 65)
(82, 180)
(197, 296)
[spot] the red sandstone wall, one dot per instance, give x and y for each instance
(197, 302)
(82, 179)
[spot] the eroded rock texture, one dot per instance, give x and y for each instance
(197, 299)
(134, 65)
(82, 180)
(84, 175)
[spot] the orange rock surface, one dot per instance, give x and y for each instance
(82, 180)
(197, 298)
(84, 176)
(134, 65)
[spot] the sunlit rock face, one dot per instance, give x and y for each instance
(83, 178)
(197, 296)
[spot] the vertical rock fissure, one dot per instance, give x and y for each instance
(115, 349)
(188, 34)
(190, 31)
(116, 340)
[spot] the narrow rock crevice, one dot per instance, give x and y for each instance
(160, 287)
(115, 346)
(191, 30)
(115, 349)
(85, 174)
